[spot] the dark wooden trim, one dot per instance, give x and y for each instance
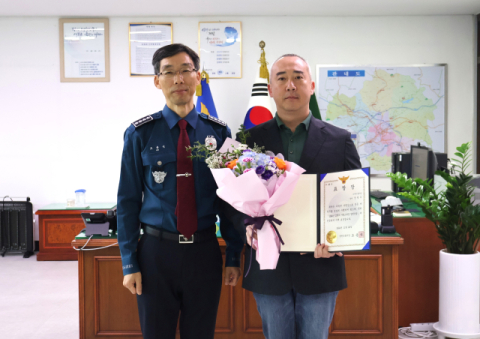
(380, 292)
(231, 305)
(67, 212)
(395, 289)
(246, 315)
(57, 256)
(105, 242)
(81, 293)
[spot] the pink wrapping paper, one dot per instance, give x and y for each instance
(248, 194)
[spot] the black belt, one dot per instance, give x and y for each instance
(199, 236)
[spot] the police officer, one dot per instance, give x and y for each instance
(176, 267)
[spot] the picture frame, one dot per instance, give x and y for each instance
(84, 50)
(144, 38)
(220, 48)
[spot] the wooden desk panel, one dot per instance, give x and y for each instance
(56, 229)
(366, 309)
(418, 268)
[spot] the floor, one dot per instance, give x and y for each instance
(38, 299)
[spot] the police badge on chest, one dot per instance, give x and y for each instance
(210, 142)
(159, 176)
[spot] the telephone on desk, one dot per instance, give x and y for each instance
(100, 223)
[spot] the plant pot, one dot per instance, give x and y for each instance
(459, 302)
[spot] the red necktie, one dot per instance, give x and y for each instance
(186, 210)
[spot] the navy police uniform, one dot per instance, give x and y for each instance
(176, 277)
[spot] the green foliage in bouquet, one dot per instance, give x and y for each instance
(216, 160)
(456, 219)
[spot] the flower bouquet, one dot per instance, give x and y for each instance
(255, 183)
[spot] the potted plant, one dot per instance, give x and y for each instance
(457, 222)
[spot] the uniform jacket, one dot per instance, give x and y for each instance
(150, 145)
(327, 149)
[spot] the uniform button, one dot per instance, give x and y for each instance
(159, 163)
(291, 152)
(291, 140)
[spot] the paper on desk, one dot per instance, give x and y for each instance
(392, 201)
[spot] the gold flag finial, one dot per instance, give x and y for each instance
(205, 76)
(263, 63)
(198, 89)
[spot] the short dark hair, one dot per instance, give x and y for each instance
(171, 50)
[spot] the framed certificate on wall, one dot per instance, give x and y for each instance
(84, 50)
(144, 39)
(220, 48)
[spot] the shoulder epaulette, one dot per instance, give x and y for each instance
(209, 117)
(144, 120)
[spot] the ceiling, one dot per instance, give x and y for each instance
(162, 8)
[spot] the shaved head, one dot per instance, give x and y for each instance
(290, 55)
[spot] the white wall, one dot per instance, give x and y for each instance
(58, 137)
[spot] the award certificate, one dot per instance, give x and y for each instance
(84, 53)
(345, 210)
(145, 39)
(331, 209)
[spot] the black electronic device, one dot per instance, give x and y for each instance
(96, 224)
(373, 227)
(100, 223)
(425, 162)
(387, 220)
(112, 220)
(442, 161)
(379, 194)
(16, 226)
(401, 162)
(422, 165)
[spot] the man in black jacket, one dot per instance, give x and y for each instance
(297, 299)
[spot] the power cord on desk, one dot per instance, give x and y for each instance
(407, 333)
(92, 249)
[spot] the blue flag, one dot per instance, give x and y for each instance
(205, 102)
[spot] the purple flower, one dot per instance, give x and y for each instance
(247, 159)
(267, 175)
(260, 170)
(247, 170)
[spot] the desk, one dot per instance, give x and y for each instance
(418, 266)
(367, 309)
(58, 225)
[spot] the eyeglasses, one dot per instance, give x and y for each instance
(183, 72)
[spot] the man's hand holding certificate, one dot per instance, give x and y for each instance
(290, 211)
(345, 210)
(329, 209)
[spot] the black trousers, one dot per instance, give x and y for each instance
(183, 279)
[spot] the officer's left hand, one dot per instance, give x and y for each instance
(232, 274)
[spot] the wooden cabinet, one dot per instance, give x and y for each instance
(368, 308)
(57, 226)
(418, 268)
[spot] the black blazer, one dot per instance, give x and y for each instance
(327, 149)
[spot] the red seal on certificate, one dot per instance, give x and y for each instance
(361, 234)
